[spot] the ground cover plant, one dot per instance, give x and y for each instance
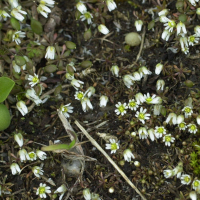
(99, 99)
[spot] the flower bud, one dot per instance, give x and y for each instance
(19, 139)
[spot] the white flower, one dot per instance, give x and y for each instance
(182, 126)
(103, 101)
(115, 70)
(17, 13)
(31, 94)
(138, 25)
(168, 139)
(128, 80)
(50, 52)
(128, 155)
(171, 117)
(34, 79)
(198, 119)
(15, 168)
(160, 131)
(90, 92)
(121, 108)
(148, 98)
(144, 71)
(103, 29)
(42, 190)
(170, 25)
(41, 154)
(168, 173)
(132, 104)
(23, 155)
(86, 104)
(66, 109)
(183, 42)
(143, 134)
(77, 83)
(3, 15)
(13, 3)
(188, 111)
(79, 95)
(137, 76)
(157, 109)
(160, 84)
(196, 184)
(137, 163)
(197, 31)
(193, 2)
(139, 98)
(37, 171)
(166, 35)
(151, 134)
(32, 155)
(163, 19)
(19, 139)
(142, 115)
(87, 194)
(43, 10)
(81, 7)
(185, 50)
(86, 16)
(163, 12)
(113, 146)
(111, 5)
(158, 68)
(17, 35)
(192, 39)
(49, 3)
(193, 195)
(18, 68)
(21, 106)
(192, 128)
(178, 170)
(181, 28)
(62, 189)
(186, 179)
(95, 196)
(180, 119)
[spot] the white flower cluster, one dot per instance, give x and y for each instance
(90, 196)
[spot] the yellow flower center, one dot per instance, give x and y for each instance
(65, 109)
(41, 190)
(192, 39)
(113, 146)
(35, 79)
(121, 108)
(31, 155)
(187, 110)
(193, 127)
(132, 104)
(186, 179)
(160, 130)
(196, 183)
(171, 24)
(80, 95)
(141, 116)
(167, 138)
(87, 15)
(148, 100)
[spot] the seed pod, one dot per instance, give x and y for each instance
(86, 64)
(70, 45)
(50, 68)
(87, 35)
(133, 39)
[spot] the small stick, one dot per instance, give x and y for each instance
(109, 159)
(142, 43)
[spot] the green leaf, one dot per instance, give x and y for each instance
(6, 86)
(36, 26)
(15, 23)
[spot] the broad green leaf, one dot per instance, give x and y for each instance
(36, 26)
(15, 23)
(6, 86)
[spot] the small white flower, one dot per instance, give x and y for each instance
(148, 98)
(185, 50)
(50, 52)
(115, 70)
(132, 104)
(171, 117)
(196, 184)
(181, 28)
(69, 76)
(62, 189)
(33, 79)
(168, 139)
(16, 67)
(41, 154)
(168, 173)
(17, 35)
(186, 179)
(193, 195)
(19, 139)
(139, 98)
(160, 131)
(192, 128)
(23, 155)
(79, 95)
(32, 155)
(66, 109)
(81, 7)
(3, 15)
(13, 3)
(163, 19)
(113, 146)
(37, 171)
(86, 104)
(42, 190)
(157, 109)
(103, 101)
(111, 5)
(137, 76)
(121, 108)
(142, 115)
(86, 16)
(166, 35)
(87, 194)
(31, 94)
(198, 119)
(15, 168)
(158, 68)
(128, 155)
(160, 84)
(77, 83)
(151, 134)
(128, 80)
(143, 134)
(178, 170)
(103, 29)
(90, 92)
(163, 12)
(144, 71)
(183, 42)
(188, 111)
(49, 3)
(193, 2)
(182, 126)
(17, 13)
(197, 31)
(21, 106)
(192, 39)
(138, 25)
(180, 119)
(43, 10)
(170, 25)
